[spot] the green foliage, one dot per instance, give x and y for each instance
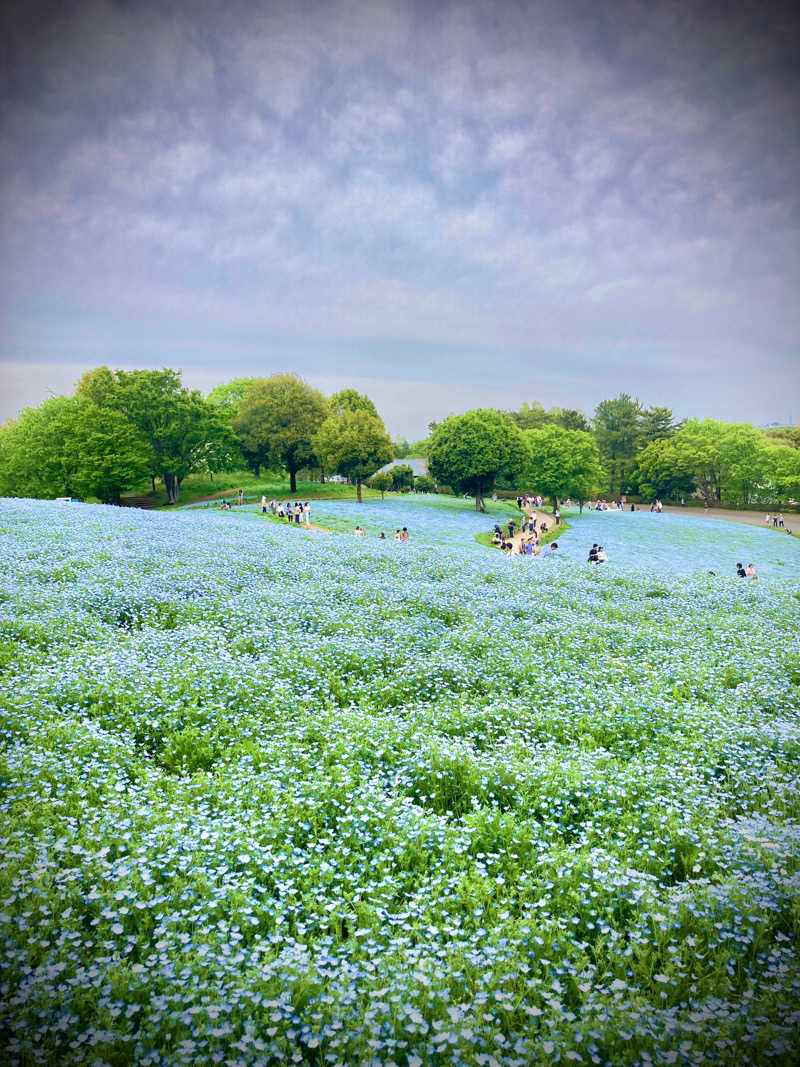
(181, 431)
(418, 449)
(618, 431)
(401, 447)
(423, 483)
(381, 481)
(351, 400)
(563, 463)
(353, 443)
(227, 397)
(276, 421)
(663, 472)
(470, 452)
(70, 446)
(402, 476)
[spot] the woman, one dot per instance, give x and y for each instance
(750, 570)
(601, 555)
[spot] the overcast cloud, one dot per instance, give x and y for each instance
(450, 204)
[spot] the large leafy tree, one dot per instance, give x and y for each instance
(663, 470)
(70, 445)
(784, 470)
(276, 422)
(182, 432)
(353, 443)
(618, 431)
(351, 400)
(563, 463)
(657, 422)
(725, 460)
(226, 400)
(470, 452)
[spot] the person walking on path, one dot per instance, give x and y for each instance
(241, 496)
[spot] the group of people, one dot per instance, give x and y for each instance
(775, 520)
(297, 512)
(529, 545)
(746, 572)
(597, 554)
(399, 535)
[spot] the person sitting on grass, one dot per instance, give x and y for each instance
(497, 538)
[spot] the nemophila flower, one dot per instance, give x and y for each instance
(269, 795)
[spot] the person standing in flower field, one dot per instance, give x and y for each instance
(307, 512)
(263, 505)
(241, 496)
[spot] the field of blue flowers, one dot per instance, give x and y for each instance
(276, 796)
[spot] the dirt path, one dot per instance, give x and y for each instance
(519, 536)
(754, 518)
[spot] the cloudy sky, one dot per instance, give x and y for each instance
(443, 204)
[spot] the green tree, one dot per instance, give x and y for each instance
(353, 443)
(530, 416)
(663, 470)
(726, 460)
(657, 422)
(277, 419)
(571, 419)
(381, 481)
(350, 400)
(182, 432)
(563, 463)
(402, 476)
(69, 445)
(226, 399)
(401, 447)
(470, 452)
(618, 431)
(783, 466)
(418, 449)
(423, 483)
(227, 396)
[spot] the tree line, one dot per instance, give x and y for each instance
(121, 428)
(626, 449)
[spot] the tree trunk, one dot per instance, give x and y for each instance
(292, 481)
(479, 501)
(358, 489)
(153, 482)
(172, 484)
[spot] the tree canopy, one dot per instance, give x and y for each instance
(563, 463)
(276, 422)
(470, 452)
(182, 431)
(353, 443)
(71, 446)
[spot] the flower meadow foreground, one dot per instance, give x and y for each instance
(277, 796)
